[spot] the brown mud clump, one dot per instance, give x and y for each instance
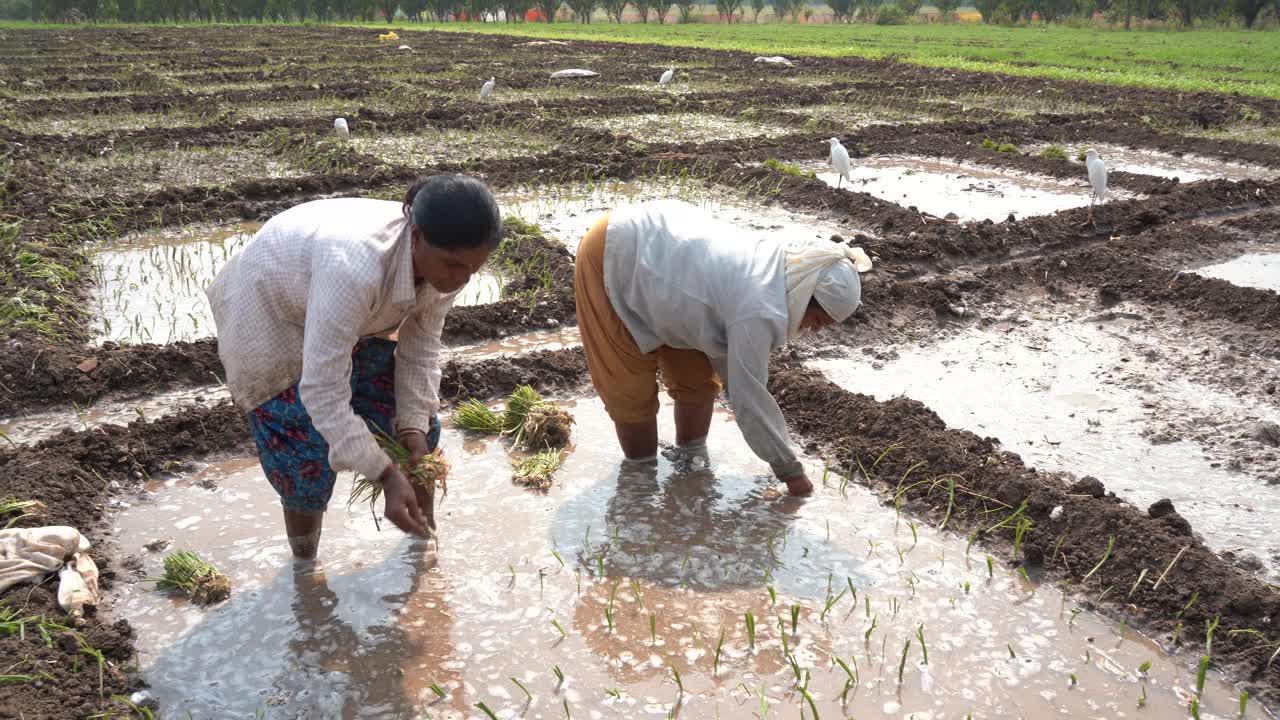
(547, 426)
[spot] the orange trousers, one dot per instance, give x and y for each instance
(625, 378)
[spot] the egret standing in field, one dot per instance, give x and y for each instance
(667, 77)
(840, 161)
(487, 89)
(1097, 179)
(340, 127)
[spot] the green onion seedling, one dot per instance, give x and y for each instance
(1200, 675)
(773, 596)
(902, 664)
(991, 570)
(1111, 544)
(1136, 583)
(1244, 701)
(715, 664)
(751, 631)
(795, 617)
(923, 647)
(1194, 597)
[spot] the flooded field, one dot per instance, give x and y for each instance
(1047, 444)
(693, 549)
(964, 191)
(1260, 270)
(1095, 398)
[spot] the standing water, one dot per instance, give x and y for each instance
(623, 592)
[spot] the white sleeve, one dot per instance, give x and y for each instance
(746, 378)
(336, 306)
(418, 366)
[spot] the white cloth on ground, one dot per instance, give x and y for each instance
(290, 306)
(678, 277)
(30, 553)
(817, 270)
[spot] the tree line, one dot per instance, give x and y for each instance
(1184, 12)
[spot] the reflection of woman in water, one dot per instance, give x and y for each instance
(394, 672)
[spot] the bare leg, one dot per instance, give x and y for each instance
(693, 421)
(303, 530)
(1090, 221)
(639, 440)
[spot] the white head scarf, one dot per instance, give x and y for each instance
(819, 271)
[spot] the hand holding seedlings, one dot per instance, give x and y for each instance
(401, 504)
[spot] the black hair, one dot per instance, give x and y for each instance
(454, 211)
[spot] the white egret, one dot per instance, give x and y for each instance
(840, 161)
(1097, 179)
(340, 127)
(487, 89)
(667, 77)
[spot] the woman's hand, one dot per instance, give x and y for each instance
(415, 441)
(402, 507)
(798, 485)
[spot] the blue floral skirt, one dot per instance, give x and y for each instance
(294, 455)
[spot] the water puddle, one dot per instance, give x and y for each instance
(619, 579)
(559, 339)
(1260, 270)
(1082, 398)
(483, 288)
(853, 117)
(567, 212)
(150, 287)
(37, 426)
(970, 192)
(684, 127)
(1142, 161)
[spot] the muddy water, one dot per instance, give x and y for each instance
(513, 344)
(971, 192)
(1260, 270)
(1083, 398)
(1187, 168)
(381, 621)
(33, 427)
(567, 212)
(150, 287)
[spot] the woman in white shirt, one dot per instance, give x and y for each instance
(661, 286)
(304, 313)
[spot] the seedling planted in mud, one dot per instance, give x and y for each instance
(866, 636)
(1136, 583)
(923, 648)
(653, 629)
(1244, 701)
(1111, 544)
(751, 632)
(485, 709)
(715, 663)
(991, 571)
(1194, 597)
(902, 664)
(795, 617)
(1201, 672)
(523, 689)
(675, 674)
(559, 628)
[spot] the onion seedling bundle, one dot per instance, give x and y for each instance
(184, 571)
